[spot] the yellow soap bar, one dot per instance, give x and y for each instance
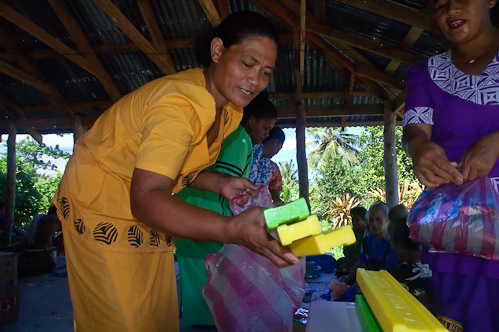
(320, 244)
(299, 230)
(394, 307)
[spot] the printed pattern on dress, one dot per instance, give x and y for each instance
(79, 226)
(418, 115)
(135, 236)
(105, 233)
(480, 89)
(261, 168)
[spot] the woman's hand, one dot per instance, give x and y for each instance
(430, 163)
(478, 159)
(223, 183)
(249, 229)
(235, 185)
(432, 167)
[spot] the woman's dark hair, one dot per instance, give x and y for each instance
(494, 15)
(233, 30)
(260, 107)
(359, 211)
(276, 133)
(398, 230)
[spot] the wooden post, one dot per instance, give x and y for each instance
(390, 156)
(77, 128)
(10, 197)
(301, 154)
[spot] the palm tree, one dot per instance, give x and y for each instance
(332, 141)
(289, 181)
(288, 172)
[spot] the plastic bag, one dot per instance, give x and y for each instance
(462, 219)
(246, 291)
(243, 201)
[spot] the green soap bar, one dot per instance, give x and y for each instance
(286, 214)
(368, 322)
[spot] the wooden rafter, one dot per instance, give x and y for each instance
(395, 12)
(55, 98)
(67, 19)
(34, 30)
(211, 12)
(122, 22)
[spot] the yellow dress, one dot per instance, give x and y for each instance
(120, 271)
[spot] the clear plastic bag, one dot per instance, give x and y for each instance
(462, 219)
(244, 201)
(246, 291)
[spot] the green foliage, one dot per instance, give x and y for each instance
(289, 175)
(34, 189)
(332, 142)
(335, 178)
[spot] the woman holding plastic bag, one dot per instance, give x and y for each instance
(451, 129)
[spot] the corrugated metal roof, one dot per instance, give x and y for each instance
(186, 19)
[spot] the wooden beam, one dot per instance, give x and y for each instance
(10, 108)
(224, 11)
(120, 48)
(152, 24)
(211, 12)
(316, 111)
(399, 103)
(395, 12)
(320, 10)
(29, 79)
(362, 43)
(390, 156)
(10, 195)
(122, 22)
(29, 68)
(335, 123)
(289, 20)
(37, 32)
(69, 22)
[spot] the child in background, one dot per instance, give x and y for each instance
(414, 276)
(376, 254)
(352, 252)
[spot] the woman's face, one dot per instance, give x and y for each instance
(258, 129)
(243, 70)
(463, 20)
(377, 219)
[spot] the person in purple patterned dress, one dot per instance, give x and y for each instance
(451, 130)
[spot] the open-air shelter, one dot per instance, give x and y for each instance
(341, 62)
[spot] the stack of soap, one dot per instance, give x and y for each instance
(303, 233)
(393, 306)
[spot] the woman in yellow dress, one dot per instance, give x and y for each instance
(115, 199)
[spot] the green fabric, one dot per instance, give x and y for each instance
(235, 159)
(353, 250)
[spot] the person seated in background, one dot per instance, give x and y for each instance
(44, 228)
(16, 230)
(271, 146)
(376, 254)
(352, 252)
(414, 276)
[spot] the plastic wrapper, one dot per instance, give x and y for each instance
(244, 201)
(462, 219)
(246, 291)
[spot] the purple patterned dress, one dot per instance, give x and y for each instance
(461, 108)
